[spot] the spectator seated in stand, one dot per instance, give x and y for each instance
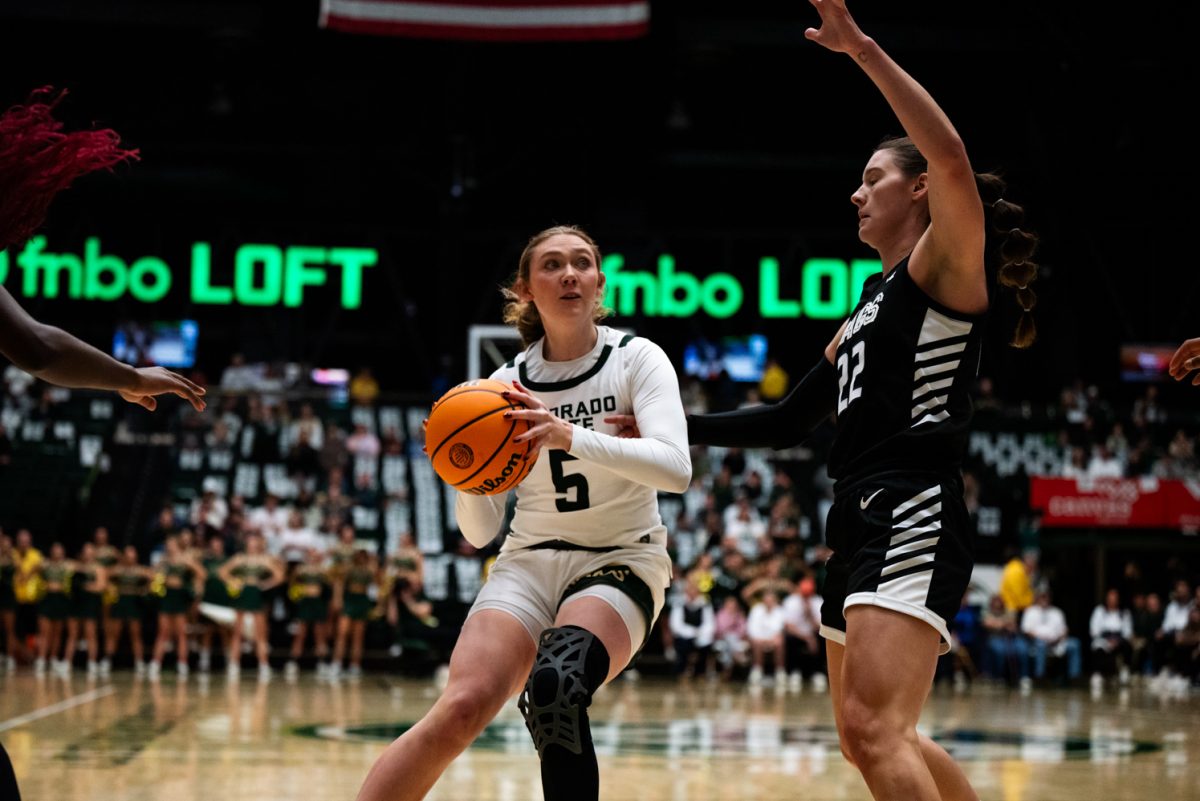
(1111, 629)
(764, 627)
(693, 627)
(1008, 653)
(1046, 627)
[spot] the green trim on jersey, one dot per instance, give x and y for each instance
(624, 579)
(625, 340)
(558, 386)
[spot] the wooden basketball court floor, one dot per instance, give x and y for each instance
(209, 738)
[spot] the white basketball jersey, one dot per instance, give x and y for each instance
(604, 492)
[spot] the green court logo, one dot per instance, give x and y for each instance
(705, 737)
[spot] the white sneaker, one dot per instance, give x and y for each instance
(291, 669)
(1124, 676)
(62, 667)
(205, 663)
(93, 668)
(10, 664)
(1097, 683)
(756, 675)
(39, 667)
(819, 683)
(182, 670)
(105, 667)
(234, 670)
(264, 672)
(355, 672)
(1026, 685)
(795, 680)
(139, 668)
(154, 671)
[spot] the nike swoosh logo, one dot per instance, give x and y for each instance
(865, 502)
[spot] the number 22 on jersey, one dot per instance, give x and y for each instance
(850, 367)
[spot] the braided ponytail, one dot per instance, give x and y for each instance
(1008, 246)
(1012, 248)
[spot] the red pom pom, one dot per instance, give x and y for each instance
(38, 160)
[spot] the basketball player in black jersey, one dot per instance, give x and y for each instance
(897, 376)
(37, 161)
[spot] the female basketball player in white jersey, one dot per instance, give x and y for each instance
(897, 375)
(582, 575)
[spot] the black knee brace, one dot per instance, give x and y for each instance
(571, 664)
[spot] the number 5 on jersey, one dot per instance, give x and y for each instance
(848, 389)
(564, 483)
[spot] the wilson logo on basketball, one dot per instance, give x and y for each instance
(461, 455)
(492, 484)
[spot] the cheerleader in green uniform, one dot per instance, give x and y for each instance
(53, 609)
(215, 592)
(307, 589)
(250, 576)
(340, 557)
(403, 572)
(131, 581)
(108, 557)
(355, 602)
(177, 572)
(8, 602)
(406, 564)
(87, 589)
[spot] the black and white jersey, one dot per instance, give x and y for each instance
(905, 367)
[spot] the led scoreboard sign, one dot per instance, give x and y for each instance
(263, 275)
(272, 275)
(828, 289)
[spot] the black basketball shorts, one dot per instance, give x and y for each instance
(901, 542)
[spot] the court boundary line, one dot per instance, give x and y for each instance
(55, 708)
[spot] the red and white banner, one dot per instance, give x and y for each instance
(491, 20)
(1117, 503)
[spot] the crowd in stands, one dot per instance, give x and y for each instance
(1099, 438)
(311, 501)
(1022, 637)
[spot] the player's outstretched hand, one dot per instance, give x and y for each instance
(547, 431)
(627, 427)
(153, 381)
(838, 31)
(1185, 360)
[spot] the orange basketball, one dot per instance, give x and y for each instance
(471, 444)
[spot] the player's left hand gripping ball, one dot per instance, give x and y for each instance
(471, 442)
